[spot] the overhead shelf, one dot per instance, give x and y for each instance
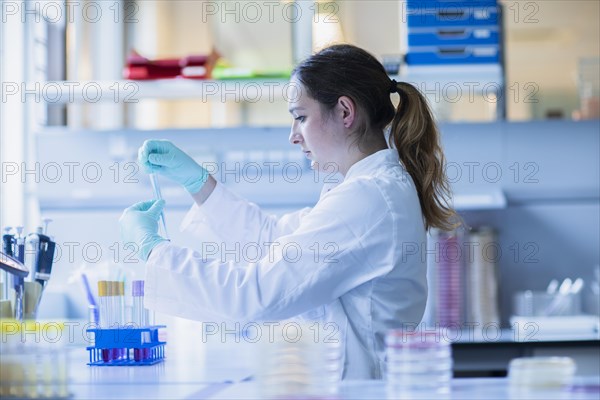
(127, 91)
(468, 79)
(482, 77)
(489, 199)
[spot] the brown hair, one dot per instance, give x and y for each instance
(346, 70)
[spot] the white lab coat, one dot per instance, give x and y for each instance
(357, 259)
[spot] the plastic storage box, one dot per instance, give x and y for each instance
(453, 32)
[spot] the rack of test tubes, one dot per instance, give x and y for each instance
(121, 340)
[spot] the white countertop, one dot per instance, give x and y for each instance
(223, 369)
(218, 371)
(462, 389)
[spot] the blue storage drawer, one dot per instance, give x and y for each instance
(444, 55)
(451, 14)
(465, 35)
(417, 3)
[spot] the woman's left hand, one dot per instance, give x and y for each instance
(139, 225)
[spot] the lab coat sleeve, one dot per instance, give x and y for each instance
(334, 250)
(227, 219)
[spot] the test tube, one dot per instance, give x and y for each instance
(158, 196)
(110, 303)
(103, 309)
(103, 288)
(114, 307)
(120, 286)
(121, 303)
(140, 314)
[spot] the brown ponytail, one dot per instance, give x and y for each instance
(415, 136)
(347, 70)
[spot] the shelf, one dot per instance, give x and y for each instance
(467, 79)
(484, 73)
(490, 199)
(127, 91)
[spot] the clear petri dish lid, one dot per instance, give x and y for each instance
(541, 371)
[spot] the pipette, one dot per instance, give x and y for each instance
(158, 196)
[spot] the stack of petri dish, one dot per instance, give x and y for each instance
(300, 368)
(417, 362)
(33, 360)
(540, 373)
(450, 281)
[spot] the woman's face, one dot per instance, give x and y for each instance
(321, 136)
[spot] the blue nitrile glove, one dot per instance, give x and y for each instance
(139, 225)
(163, 157)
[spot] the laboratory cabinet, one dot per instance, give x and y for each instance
(491, 358)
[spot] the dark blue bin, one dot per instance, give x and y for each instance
(463, 35)
(452, 55)
(452, 14)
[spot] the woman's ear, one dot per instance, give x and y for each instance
(347, 111)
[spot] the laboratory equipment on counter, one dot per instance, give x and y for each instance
(417, 361)
(12, 265)
(93, 308)
(3, 274)
(17, 271)
(112, 304)
(139, 346)
(299, 365)
(139, 315)
(104, 317)
(541, 372)
(30, 367)
(117, 343)
(158, 196)
(557, 300)
(18, 281)
(481, 283)
(40, 252)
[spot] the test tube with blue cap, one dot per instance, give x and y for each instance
(158, 196)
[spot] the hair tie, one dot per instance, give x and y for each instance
(394, 86)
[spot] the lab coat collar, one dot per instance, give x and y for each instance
(372, 162)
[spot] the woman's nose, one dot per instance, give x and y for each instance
(295, 138)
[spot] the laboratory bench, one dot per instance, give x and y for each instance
(223, 371)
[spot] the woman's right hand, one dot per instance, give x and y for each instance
(163, 157)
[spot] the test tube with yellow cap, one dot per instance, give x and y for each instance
(102, 294)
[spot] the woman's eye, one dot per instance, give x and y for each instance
(300, 118)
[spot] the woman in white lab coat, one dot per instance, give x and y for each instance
(356, 259)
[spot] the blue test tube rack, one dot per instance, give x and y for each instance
(126, 346)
